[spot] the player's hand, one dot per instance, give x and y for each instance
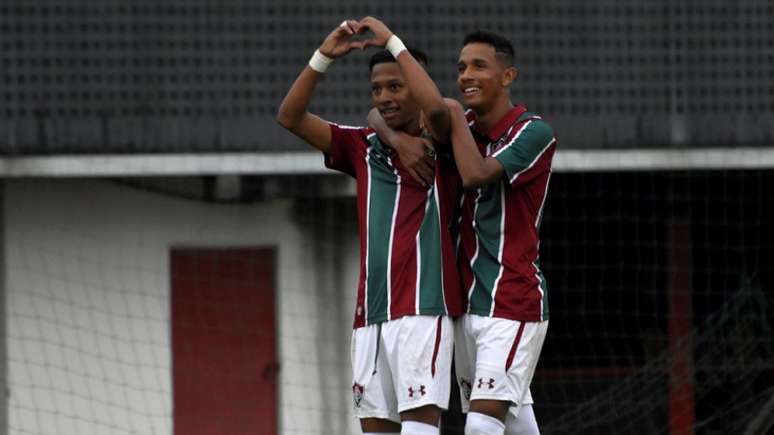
(381, 32)
(418, 157)
(339, 42)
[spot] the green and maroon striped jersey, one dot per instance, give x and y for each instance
(407, 258)
(499, 243)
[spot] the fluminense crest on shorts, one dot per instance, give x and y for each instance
(357, 394)
(466, 388)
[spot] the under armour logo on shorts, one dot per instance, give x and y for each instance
(421, 391)
(481, 383)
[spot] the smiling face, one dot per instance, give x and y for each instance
(483, 78)
(391, 96)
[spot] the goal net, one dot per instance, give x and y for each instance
(142, 305)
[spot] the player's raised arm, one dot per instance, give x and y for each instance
(292, 113)
(474, 169)
(422, 87)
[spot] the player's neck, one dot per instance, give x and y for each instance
(487, 120)
(412, 128)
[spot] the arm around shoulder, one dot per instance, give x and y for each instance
(474, 169)
(412, 151)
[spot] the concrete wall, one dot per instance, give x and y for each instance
(87, 304)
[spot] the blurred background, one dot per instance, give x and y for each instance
(173, 261)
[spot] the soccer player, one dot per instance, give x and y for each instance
(500, 338)
(504, 155)
(403, 335)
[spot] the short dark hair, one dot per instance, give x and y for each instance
(384, 56)
(503, 47)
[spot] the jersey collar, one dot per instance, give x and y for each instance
(499, 129)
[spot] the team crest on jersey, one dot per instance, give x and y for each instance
(495, 146)
(466, 387)
(357, 394)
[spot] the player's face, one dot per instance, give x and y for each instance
(391, 96)
(481, 76)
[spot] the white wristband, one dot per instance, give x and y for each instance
(395, 46)
(320, 62)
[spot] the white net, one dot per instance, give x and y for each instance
(108, 333)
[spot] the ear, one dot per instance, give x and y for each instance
(509, 76)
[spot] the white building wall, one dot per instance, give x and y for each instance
(87, 305)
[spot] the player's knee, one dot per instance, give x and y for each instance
(482, 424)
(429, 414)
(418, 428)
(380, 426)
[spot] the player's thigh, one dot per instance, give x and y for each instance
(428, 414)
(506, 355)
(373, 393)
(494, 408)
(379, 425)
(419, 350)
(464, 359)
(524, 362)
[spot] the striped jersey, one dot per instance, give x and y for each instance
(498, 241)
(407, 258)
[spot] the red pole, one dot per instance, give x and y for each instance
(680, 325)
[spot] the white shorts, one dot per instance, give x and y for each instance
(495, 358)
(400, 365)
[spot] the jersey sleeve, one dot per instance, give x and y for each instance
(345, 146)
(527, 154)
